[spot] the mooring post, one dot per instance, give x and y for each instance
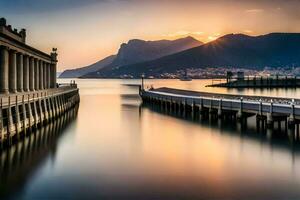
(1, 124)
(60, 103)
(18, 125)
(24, 115)
(46, 114)
(9, 123)
(239, 115)
(193, 109)
(171, 105)
(53, 107)
(270, 121)
(143, 76)
(42, 118)
(174, 106)
(167, 105)
(164, 104)
(259, 117)
(37, 106)
(50, 111)
(291, 118)
(178, 107)
(220, 109)
(63, 103)
(35, 111)
(56, 106)
(200, 107)
(211, 105)
(184, 107)
(29, 112)
(260, 107)
(211, 111)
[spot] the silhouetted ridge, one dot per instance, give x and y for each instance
(232, 50)
(75, 73)
(134, 51)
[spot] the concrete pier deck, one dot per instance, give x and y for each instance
(226, 96)
(13, 98)
(24, 112)
(267, 110)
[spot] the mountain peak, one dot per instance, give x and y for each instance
(188, 38)
(235, 36)
(137, 50)
(134, 41)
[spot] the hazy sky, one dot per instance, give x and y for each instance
(85, 31)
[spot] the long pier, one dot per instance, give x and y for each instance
(267, 110)
(29, 94)
(261, 82)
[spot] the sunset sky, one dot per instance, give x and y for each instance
(84, 31)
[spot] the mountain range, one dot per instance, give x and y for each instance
(135, 51)
(231, 50)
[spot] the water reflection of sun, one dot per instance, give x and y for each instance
(182, 149)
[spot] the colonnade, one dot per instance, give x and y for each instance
(21, 72)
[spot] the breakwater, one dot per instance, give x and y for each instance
(282, 112)
(20, 114)
(261, 82)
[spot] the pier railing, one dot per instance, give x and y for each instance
(266, 99)
(20, 112)
(11, 99)
(252, 106)
(266, 112)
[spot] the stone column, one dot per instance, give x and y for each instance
(49, 75)
(41, 66)
(53, 67)
(12, 71)
(20, 72)
(45, 75)
(4, 59)
(36, 75)
(31, 74)
(26, 73)
(53, 75)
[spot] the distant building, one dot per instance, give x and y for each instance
(229, 75)
(240, 75)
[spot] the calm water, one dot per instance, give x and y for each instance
(116, 149)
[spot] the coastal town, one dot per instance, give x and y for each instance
(221, 72)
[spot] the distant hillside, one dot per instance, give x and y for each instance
(232, 50)
(75, 73)
(136, 51)
(133, 52)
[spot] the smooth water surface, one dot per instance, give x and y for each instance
(118, 149)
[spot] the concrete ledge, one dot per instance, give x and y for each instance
(37, 110)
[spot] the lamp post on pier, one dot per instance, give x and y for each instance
(143, 76)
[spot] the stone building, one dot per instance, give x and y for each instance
(29, 96)
(22, 67)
